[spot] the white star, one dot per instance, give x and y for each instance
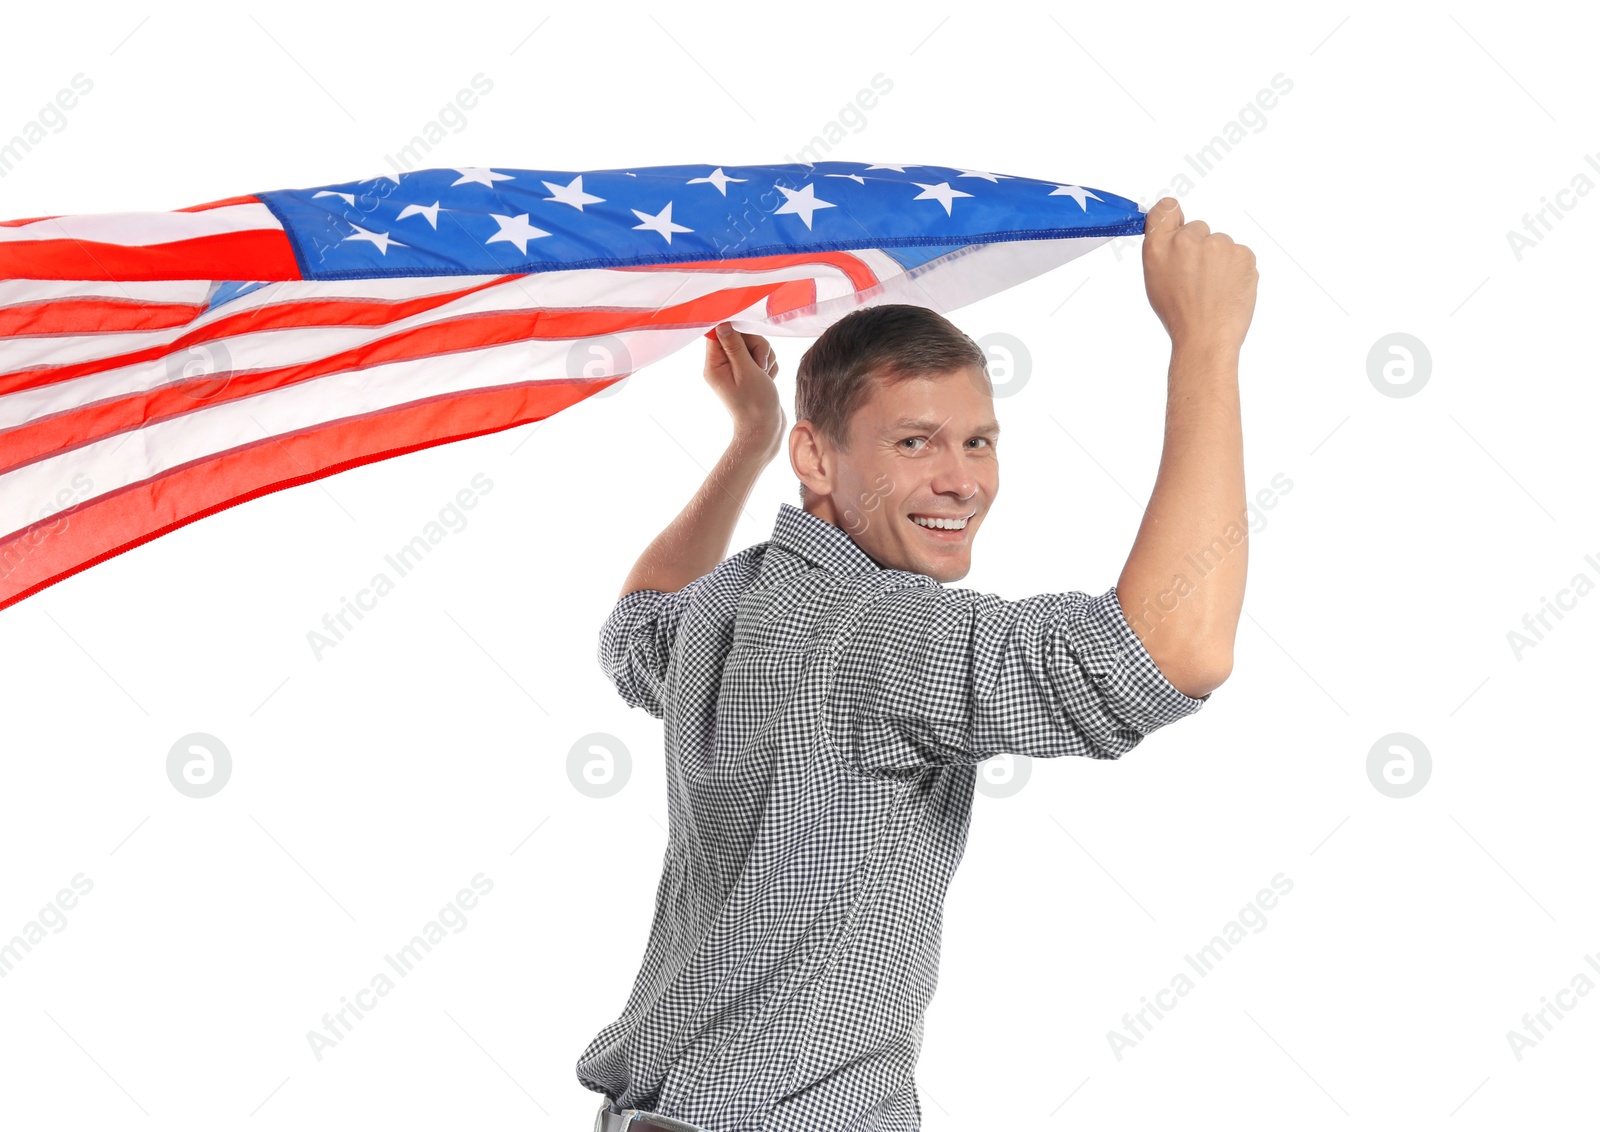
(856, 177)
(572, 194)
(896, 168)
(660, 222)
(431, 211)
(995, 177)
(480, 177)
(717, 178)
(515, 230)
(1076, 194)
(381, 239)
(348, 198)
(942, 192)
(802, 203)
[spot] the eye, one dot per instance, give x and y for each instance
(910, 438)
(985, 440)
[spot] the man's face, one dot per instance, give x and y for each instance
(921, 448)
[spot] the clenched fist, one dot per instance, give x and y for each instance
(1201, 284)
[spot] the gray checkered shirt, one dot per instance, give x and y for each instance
(824, 719)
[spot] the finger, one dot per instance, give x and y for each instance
(1164, 218)
(716, 357)
(766, 357)
(733, 343)
(1195, 228)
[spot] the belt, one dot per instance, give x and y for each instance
(611, 1119)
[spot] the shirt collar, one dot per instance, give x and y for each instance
(819, 542)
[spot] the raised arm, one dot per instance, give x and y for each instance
(740, 368)
(636, 641)
(1182, 587)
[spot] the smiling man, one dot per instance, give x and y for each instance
(898, 433)
(827, 697)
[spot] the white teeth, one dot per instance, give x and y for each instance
(940, 524)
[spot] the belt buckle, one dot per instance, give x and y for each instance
(656, 1120)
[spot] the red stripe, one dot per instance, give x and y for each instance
(312, 312)
(277, 316)
(261, 254)
(246, 199)
(793, 295)
(47, 552)
(73, 316)
(336, 312)
(75, 427)
(28, 220)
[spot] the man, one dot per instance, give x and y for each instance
(826, 698)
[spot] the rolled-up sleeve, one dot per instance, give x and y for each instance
(935, 675)
(636, 643)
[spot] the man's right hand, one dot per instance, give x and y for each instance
(1201, 284)
(741, 369)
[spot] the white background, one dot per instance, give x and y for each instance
(432, 744)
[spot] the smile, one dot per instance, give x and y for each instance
(938, 523)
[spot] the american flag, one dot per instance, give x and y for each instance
(158, 367)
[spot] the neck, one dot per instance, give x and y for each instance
(822, 507)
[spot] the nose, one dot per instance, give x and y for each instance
(953, 475)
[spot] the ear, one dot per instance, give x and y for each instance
(811, 458)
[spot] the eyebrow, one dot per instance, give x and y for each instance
(989, 428)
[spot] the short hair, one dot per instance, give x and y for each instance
(890, 342)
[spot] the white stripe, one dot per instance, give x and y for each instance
(883, 265)
(592, 287)
(15, 291)
(66, 349)
(140, 229)
(610, 289)
(117, 461)
(955, 280)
